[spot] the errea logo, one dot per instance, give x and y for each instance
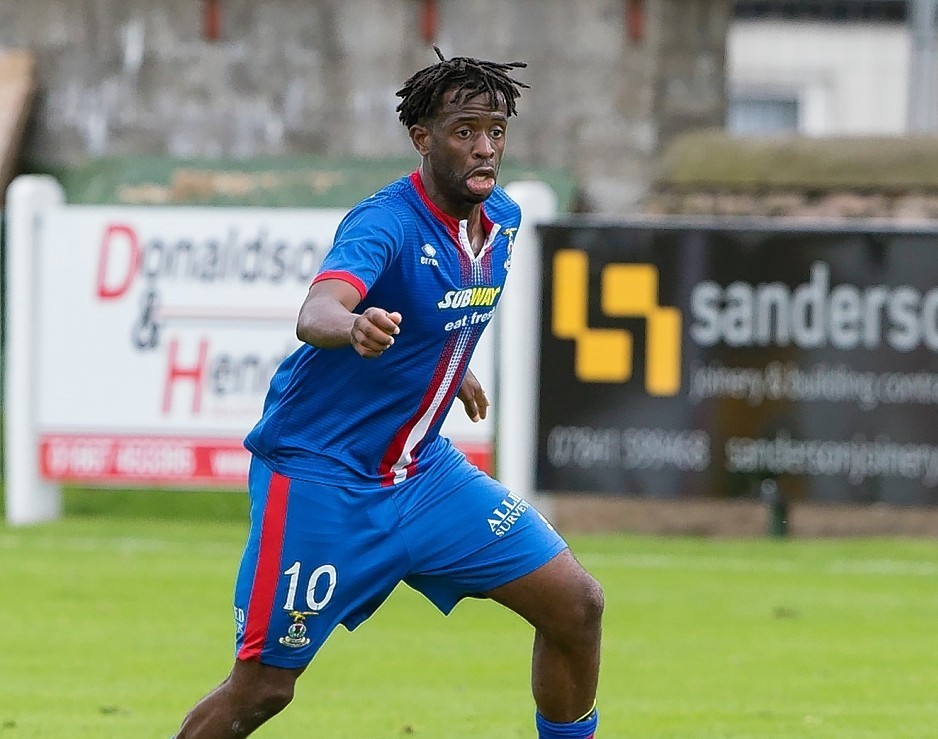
(429, 255)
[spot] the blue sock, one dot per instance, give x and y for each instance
(585, 728)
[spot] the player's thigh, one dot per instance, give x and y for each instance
(468, 534)
(558, 594)
(251, 682)
(316, 557)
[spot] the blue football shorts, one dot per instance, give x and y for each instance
(318, 555)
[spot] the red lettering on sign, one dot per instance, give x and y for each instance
(175, 372)
(118, 234)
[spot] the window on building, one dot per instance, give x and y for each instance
(752, 114)
(827, 10)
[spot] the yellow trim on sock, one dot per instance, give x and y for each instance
(587, 714)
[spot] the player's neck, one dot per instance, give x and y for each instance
(469, 212)
(475, 230)
(461, 211)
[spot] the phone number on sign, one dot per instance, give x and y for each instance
(631, 448)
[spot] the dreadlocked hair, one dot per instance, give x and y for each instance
(422, 93)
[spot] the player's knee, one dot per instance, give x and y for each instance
(268, 700)
(259, 693)
(277, 697)
(580, 622)
(586, 615)
(592, 603)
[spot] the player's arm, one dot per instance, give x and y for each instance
(473, 397)
(327, 320)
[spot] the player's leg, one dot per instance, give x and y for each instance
(254, 692)
(316, 556)
(564, 603)
(498, 545)
(250, 695)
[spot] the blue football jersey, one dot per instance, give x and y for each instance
(332, 416)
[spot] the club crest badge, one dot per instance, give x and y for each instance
(510, 233)
(296, 632)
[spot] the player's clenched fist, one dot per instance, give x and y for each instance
(373, 332)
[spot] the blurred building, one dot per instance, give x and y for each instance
(832, 111)
(612, 80)
(832, 67)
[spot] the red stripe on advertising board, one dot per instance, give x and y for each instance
(93, 458)
(480, 454)
(165, 460)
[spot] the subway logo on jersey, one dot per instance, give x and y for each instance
(469, 298)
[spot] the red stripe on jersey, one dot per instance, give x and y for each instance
(487, 257)
(451, 224)
(345, 277)
(460, 371)
(465, 267)
(267, 574)
(396, 449)
(486, 221)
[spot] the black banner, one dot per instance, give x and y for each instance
(688, 360)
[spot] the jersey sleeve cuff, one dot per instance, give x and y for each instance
(345, 277)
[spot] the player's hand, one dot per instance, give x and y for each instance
(373, 332)
(473, 397)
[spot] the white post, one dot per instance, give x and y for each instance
(923, 66)
(29, 498)
(519, 325)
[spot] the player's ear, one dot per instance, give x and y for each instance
(420, 138)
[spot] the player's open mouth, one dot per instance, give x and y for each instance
(481, 181)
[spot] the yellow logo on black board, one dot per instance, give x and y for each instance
(627, 291)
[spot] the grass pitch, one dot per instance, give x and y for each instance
(113, 625)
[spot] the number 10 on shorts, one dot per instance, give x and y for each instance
(323, 572)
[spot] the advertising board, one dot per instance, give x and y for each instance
(140, 342)
(683, 359)
(158, 330)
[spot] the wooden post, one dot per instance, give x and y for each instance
(17, 88)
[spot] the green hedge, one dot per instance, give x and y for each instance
(295, 181)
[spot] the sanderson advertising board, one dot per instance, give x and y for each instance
(693, 359)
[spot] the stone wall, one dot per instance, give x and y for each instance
(609, 86)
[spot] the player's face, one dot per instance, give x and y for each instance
(464, 148)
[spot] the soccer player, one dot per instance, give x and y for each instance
(353, 489)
